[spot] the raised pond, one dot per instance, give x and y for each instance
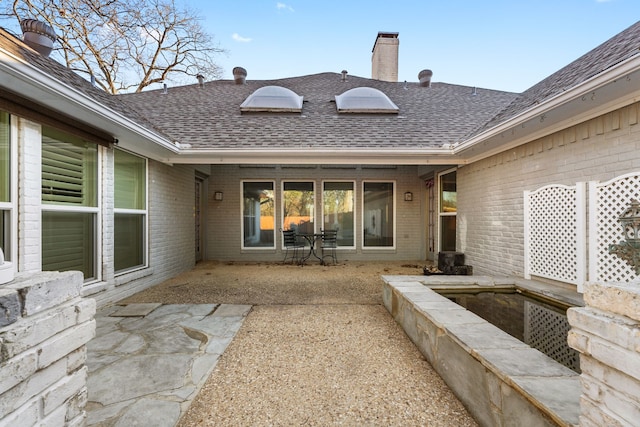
(539, 322)
(500, 379)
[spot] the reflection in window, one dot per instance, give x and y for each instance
(5, 184)
(68, 242)
(69, 181)
(337, 210)
(448, 199)
(130, 213)
(5, 159)
(448, 210)
(258, 214)
(298, 202)
(378, 211)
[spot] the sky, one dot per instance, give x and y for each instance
(505, 45)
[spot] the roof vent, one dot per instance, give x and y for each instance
(38, 36)
(239, 75)
(425, 78)
(344, 75)
(200, 78)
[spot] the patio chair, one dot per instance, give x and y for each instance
(329, 244)
(294, 248)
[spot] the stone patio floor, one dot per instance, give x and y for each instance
(148, 361)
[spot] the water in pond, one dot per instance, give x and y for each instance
(539, 324)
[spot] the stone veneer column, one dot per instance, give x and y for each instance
(44, 328)
(606, 332)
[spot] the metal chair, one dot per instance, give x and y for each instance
(292, 246)
(329, 244)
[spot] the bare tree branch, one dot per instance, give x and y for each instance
(125, 45)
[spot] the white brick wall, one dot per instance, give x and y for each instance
(29, 196)
(490, 191)
(171, 238)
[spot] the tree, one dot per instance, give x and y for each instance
(124, 45)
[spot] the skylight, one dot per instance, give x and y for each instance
(274, 99)
(365, 100)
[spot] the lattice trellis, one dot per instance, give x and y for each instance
(555, 233)
(546, 330)
(607, 201)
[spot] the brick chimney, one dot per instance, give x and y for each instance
(384, 60)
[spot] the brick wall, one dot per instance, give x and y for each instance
(29, 196)
(490, 191)
(44, 328)
(224, 218)
(171, 233)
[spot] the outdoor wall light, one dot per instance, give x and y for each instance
(408, 196)
(629, 248)
(218, 196)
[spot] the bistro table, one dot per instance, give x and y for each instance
(311, 239)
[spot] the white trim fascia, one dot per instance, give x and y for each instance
(429, 156)
(36, 78)
(588, 87)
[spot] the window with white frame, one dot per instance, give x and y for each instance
(448, 210)
(338, 204)
(130, 212)
(6, 183)
(258, 214)
(298, 203)
(69, 203)
(378, 214)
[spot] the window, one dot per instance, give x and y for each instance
(298, 211)
(130, 214)
(258, 215)
(5, 184)
(378, 214)
(69, 203)
(448, 211)
(337, 210)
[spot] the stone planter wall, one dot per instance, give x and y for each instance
(607, 334)
(44, 327)
(500, 380)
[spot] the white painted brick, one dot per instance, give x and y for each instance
(63, 391)
(33, 330)
(490, 190)
(55, 419)
(33, 386)
(62, 344)
(76, 359)
(76, 406)
(17, 369)
(46, 290)
(27, 415)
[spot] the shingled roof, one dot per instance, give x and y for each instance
(209, 117)
(621, 47)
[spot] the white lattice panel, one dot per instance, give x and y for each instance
(607, 202)
(555, 233)
(547, 330)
